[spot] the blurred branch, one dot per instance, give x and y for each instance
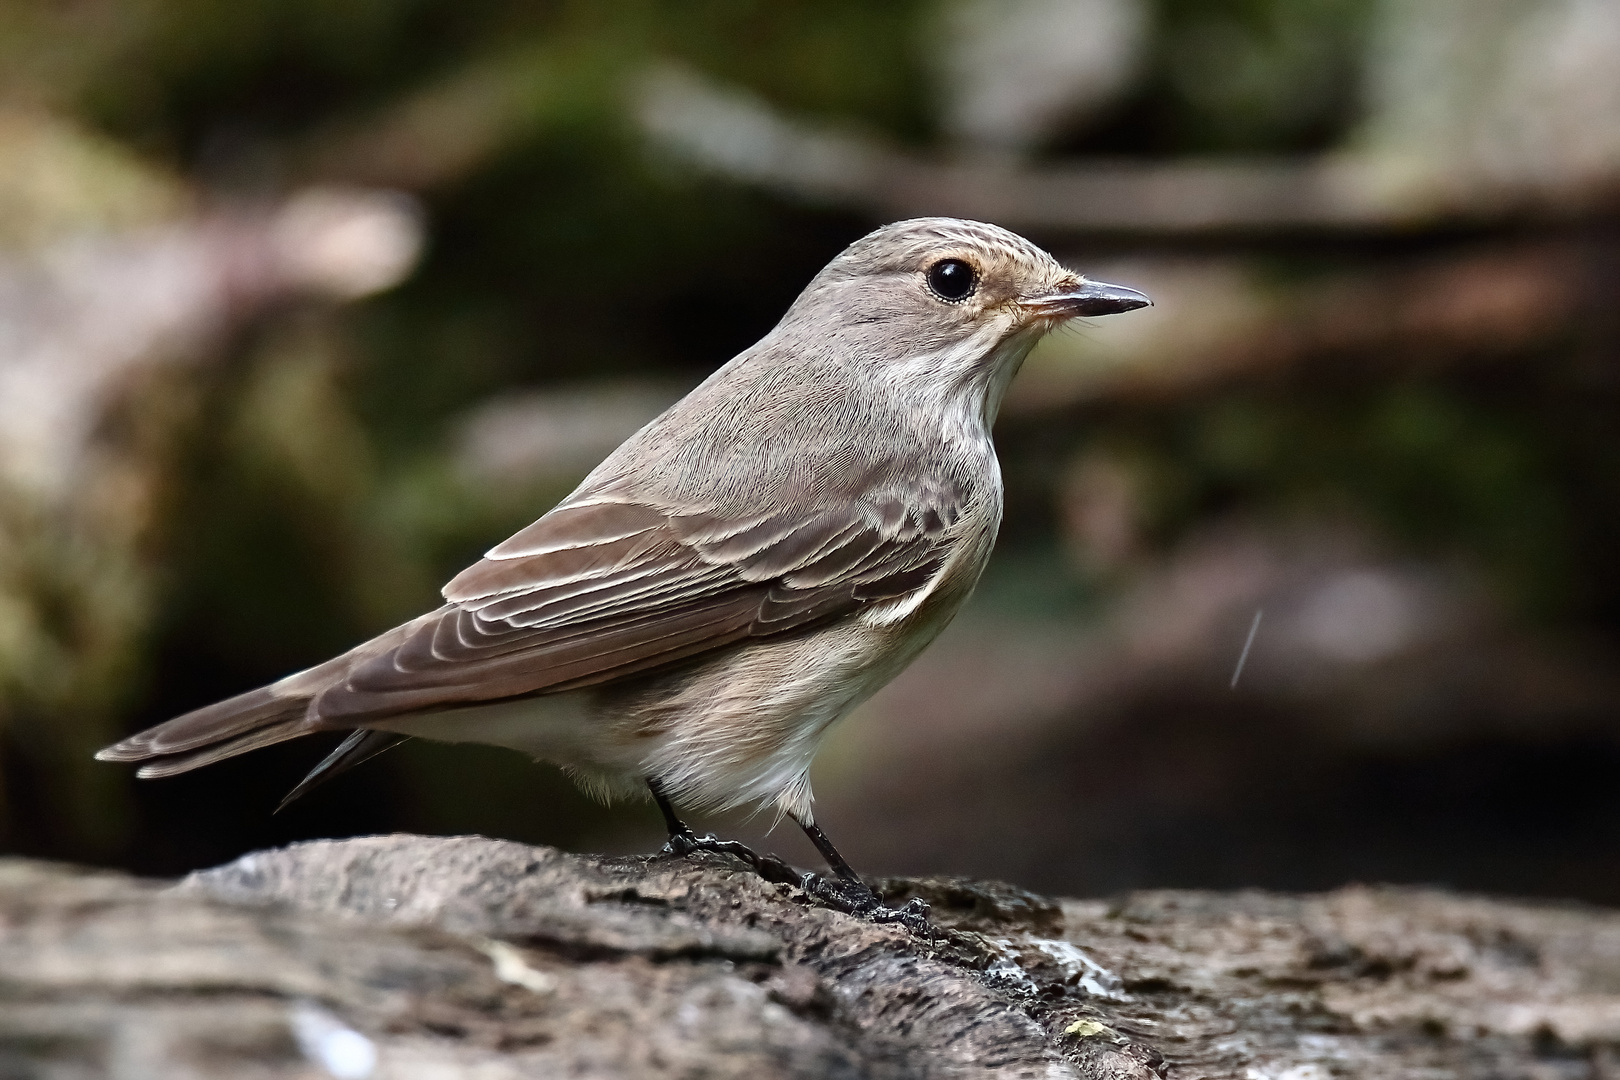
(514, 439)
(450, 127)
(1217, 319)
(735, 134)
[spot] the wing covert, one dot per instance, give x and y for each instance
(596, 591)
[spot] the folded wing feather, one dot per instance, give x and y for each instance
(600, 590)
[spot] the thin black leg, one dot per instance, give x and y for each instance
(855, 896)
(683, 841)
(672, 822)
(835, 861)
(848, 894)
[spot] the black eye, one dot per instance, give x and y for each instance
(952, 279)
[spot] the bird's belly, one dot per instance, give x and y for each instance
(556, 727)
(742, 728)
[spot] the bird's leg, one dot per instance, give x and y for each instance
(848, 893)
(835, 861)
(854, 896)
(683, 841)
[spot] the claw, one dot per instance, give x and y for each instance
(769, 867)
(846, 893)
(852, 897)
(856, 898)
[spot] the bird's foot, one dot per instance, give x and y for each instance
(855, 897)
(850, 897)
(769, 867)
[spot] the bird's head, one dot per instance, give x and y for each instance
(943, 285)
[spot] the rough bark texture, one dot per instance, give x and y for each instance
(411, 957)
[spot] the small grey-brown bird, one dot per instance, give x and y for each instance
(734, 578)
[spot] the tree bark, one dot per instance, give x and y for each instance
(422, 957)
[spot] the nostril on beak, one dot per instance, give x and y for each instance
(1094, 298)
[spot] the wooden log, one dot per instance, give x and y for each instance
(407, 956)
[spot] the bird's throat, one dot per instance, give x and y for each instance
(999, 370)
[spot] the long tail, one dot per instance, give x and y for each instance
(215, 732)
(262, 717)
(236, 725)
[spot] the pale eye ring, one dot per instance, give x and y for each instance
(952, 280)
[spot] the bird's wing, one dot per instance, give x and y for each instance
(597, 590)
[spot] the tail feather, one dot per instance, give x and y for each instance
(271, 714)
(234, 726)
(361, 745)
(226, 748)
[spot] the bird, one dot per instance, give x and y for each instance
(732, 580)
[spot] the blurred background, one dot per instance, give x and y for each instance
(305, 303)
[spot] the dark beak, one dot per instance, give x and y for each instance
(1091, 298)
